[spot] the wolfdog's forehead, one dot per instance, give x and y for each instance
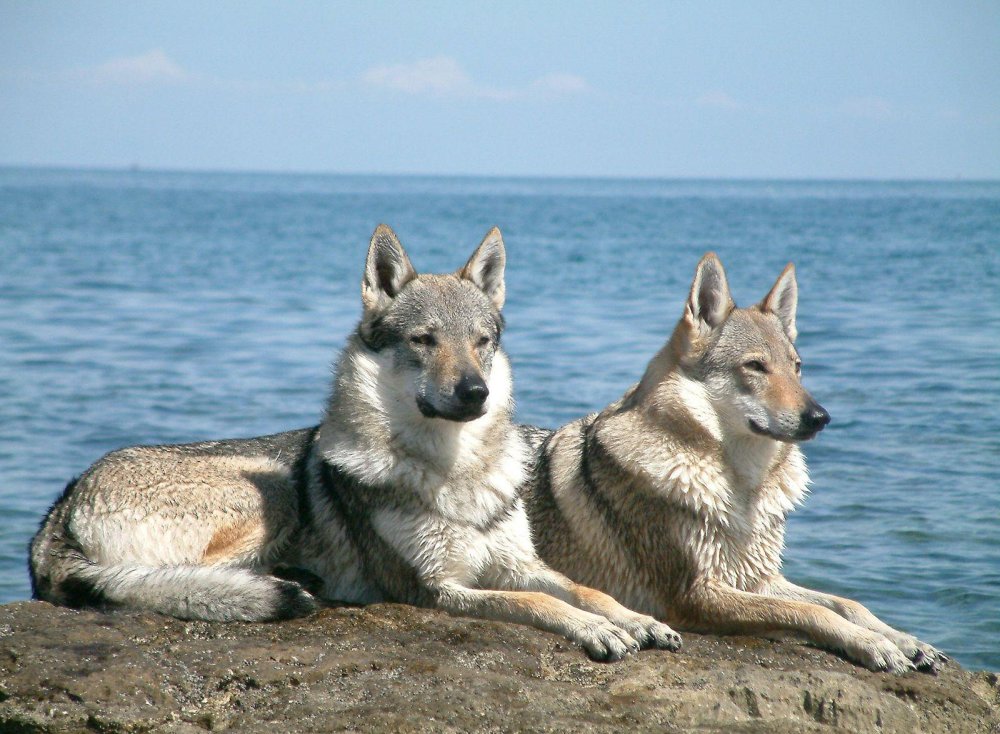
(444, 301)
(749, 329)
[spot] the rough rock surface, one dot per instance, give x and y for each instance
(396, 668)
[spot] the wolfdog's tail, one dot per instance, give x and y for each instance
(187, 592)
(63, 574)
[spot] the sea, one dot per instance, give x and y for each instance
(141, 307)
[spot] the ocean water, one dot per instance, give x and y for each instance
(143, 307)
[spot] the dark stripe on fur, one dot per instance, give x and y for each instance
(300, 475)
(626, 517)
(501, 516)
(543, 501)
(591, 444)
(551, 533)
(384, 566)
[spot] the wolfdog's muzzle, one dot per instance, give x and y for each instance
(812, 420)
(467, 402)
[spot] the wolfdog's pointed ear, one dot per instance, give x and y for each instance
(485, 267)
(783, 300)
(709, 302)
(387, 270)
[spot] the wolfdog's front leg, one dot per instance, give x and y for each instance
(646, 630)
(601, 639)
(722, 609)
(926, 657)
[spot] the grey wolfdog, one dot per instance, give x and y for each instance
(407, 491)
(673, 499)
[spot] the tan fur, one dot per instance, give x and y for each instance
(231, 542)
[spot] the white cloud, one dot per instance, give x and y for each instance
(439, 76)
(443, 76)
(152, 67)
(718, 100)
(156, 67)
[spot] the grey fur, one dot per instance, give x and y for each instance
(407, 491)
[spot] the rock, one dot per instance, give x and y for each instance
(396, 668)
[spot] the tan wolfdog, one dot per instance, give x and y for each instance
(674, 498)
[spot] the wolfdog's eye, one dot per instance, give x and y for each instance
(756, 365)
(484, 341)
(427, 340)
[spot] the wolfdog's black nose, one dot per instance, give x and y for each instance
(814, 417)
(471, 390)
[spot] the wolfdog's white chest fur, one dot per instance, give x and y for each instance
(463, 525)
(443, 494)
(737, 508)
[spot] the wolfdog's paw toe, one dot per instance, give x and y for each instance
(665, 638)
(926, 663)
(606, 643)
(926, 657)
(292, 601)
(884, 655)
(651, 634)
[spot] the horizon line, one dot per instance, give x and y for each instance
(138, 168)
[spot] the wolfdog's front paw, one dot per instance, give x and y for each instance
(604, 641)
(882, 654)
(926, 657)
(649, 633)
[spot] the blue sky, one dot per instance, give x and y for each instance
(667, 89)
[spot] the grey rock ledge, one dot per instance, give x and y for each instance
(395, 668)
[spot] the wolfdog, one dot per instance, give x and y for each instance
(673, 499)
(405, 492)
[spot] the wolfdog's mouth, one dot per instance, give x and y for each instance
(805, 435)
(801, 435)
(759, 429)
(460, 415)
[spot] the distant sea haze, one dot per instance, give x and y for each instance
(144, 307)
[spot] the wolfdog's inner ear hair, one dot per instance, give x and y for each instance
(709, 300)
(486, 266)
(783, 300)
(387, 269)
